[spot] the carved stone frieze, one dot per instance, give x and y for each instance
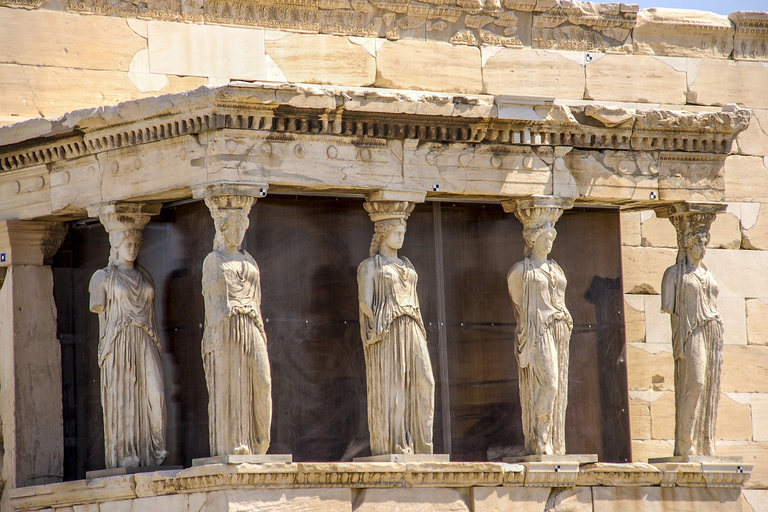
(751, 39)
(380, 475)
(581, 26)
(373, 116)
(683, 33)
(619, 475)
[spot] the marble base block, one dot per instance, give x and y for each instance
(245, 459)
(579, 458)
(405, 457)
(716, 459)
(102, 473)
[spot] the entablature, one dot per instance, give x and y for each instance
(353, 140)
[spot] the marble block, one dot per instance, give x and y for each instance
(244, 459)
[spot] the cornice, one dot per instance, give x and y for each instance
(366, 114)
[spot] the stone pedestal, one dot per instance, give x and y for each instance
(405, 457)
(579, 458)
(270, 458)
(103, 473)
(30, 357)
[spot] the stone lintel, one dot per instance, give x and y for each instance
(230, 188)
(688, 207)
(29, 242)
(537, 201)
(388, 194)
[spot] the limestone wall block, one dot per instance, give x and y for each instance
(306, 500)
(663, 417)
(657, 325)
(754, 140)
(725, 232)
(734, 420)
(630, 228)
(67, 40)
(683, 33)
(496, 499)
(658, 232)
(759, 403)
(634, 318)
(198, 50)
(744, 369)
(650, 366)
(640, 419)
(742, 174)
(642, 450)
(752, 453)
(733, 312)
(318, 59)
(413, 500)
(739, 273)
(720, 82)
(756, 235)
(636, 78)
(658, 499)
(32, 91)
(529, 72)
(172, 503)
(644, 266)
(757, 321)
(430, 66)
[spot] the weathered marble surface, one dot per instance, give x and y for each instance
(129, 352)
(401, 387)
(382, 486)
(234, 345)
(689, 294)
(537, 288)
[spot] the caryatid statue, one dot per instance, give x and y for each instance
(234, 343)
(132, 388)
(689, 295)
(537, 287)
(401, 387)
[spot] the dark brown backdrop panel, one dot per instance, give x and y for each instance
(308, 249)
(480, 245)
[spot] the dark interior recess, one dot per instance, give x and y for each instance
(308, 249)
